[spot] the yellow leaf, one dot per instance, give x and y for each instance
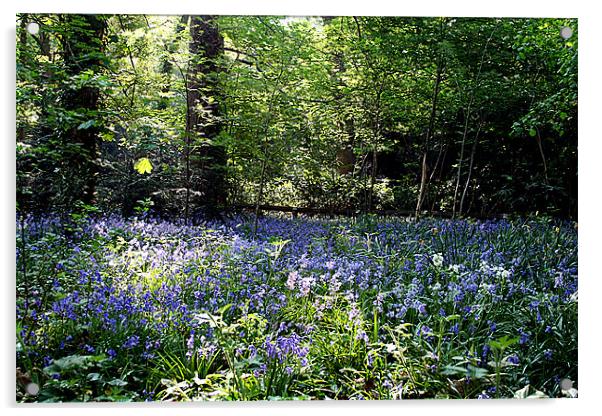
(143, 166)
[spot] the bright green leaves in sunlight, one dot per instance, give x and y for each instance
(143, 166)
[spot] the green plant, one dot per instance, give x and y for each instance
(499, 347)
(84, 378)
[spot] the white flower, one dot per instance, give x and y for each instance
(438, 260)
(455, 268)
(292, 279)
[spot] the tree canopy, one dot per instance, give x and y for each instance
(198, 114)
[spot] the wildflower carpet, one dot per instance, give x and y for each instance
(114, 309)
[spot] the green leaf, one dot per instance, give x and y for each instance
(107, 137)
(143, 166)
(224, 308)
(118, 382)
(93, 376)
(453, 370)
(86, 124)
(476, 372)
(503, 342)
(68, 363)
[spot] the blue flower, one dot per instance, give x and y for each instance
(524, 337)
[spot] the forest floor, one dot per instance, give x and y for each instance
(114, 309)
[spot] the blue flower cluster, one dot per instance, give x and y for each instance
(125, 286)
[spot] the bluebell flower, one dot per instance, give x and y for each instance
(524, 337)
(131, 342)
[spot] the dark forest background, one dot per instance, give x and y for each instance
(189, 115)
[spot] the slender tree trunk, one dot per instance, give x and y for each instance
(188, 141)
(429, 132)
(461, 161)
(467, 119)
(543, 157)
(264, 162)
(260, 193)
(376, 130)
(471, 163)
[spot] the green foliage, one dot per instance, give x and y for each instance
(304, 104)
(84, 378)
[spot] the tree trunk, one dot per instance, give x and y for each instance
(22, 52)
(345, 157)
(543, 157)
(475, 86)
(461, 161)
(470, 165)
(207, 161)
(429, 132)
(83, 48)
